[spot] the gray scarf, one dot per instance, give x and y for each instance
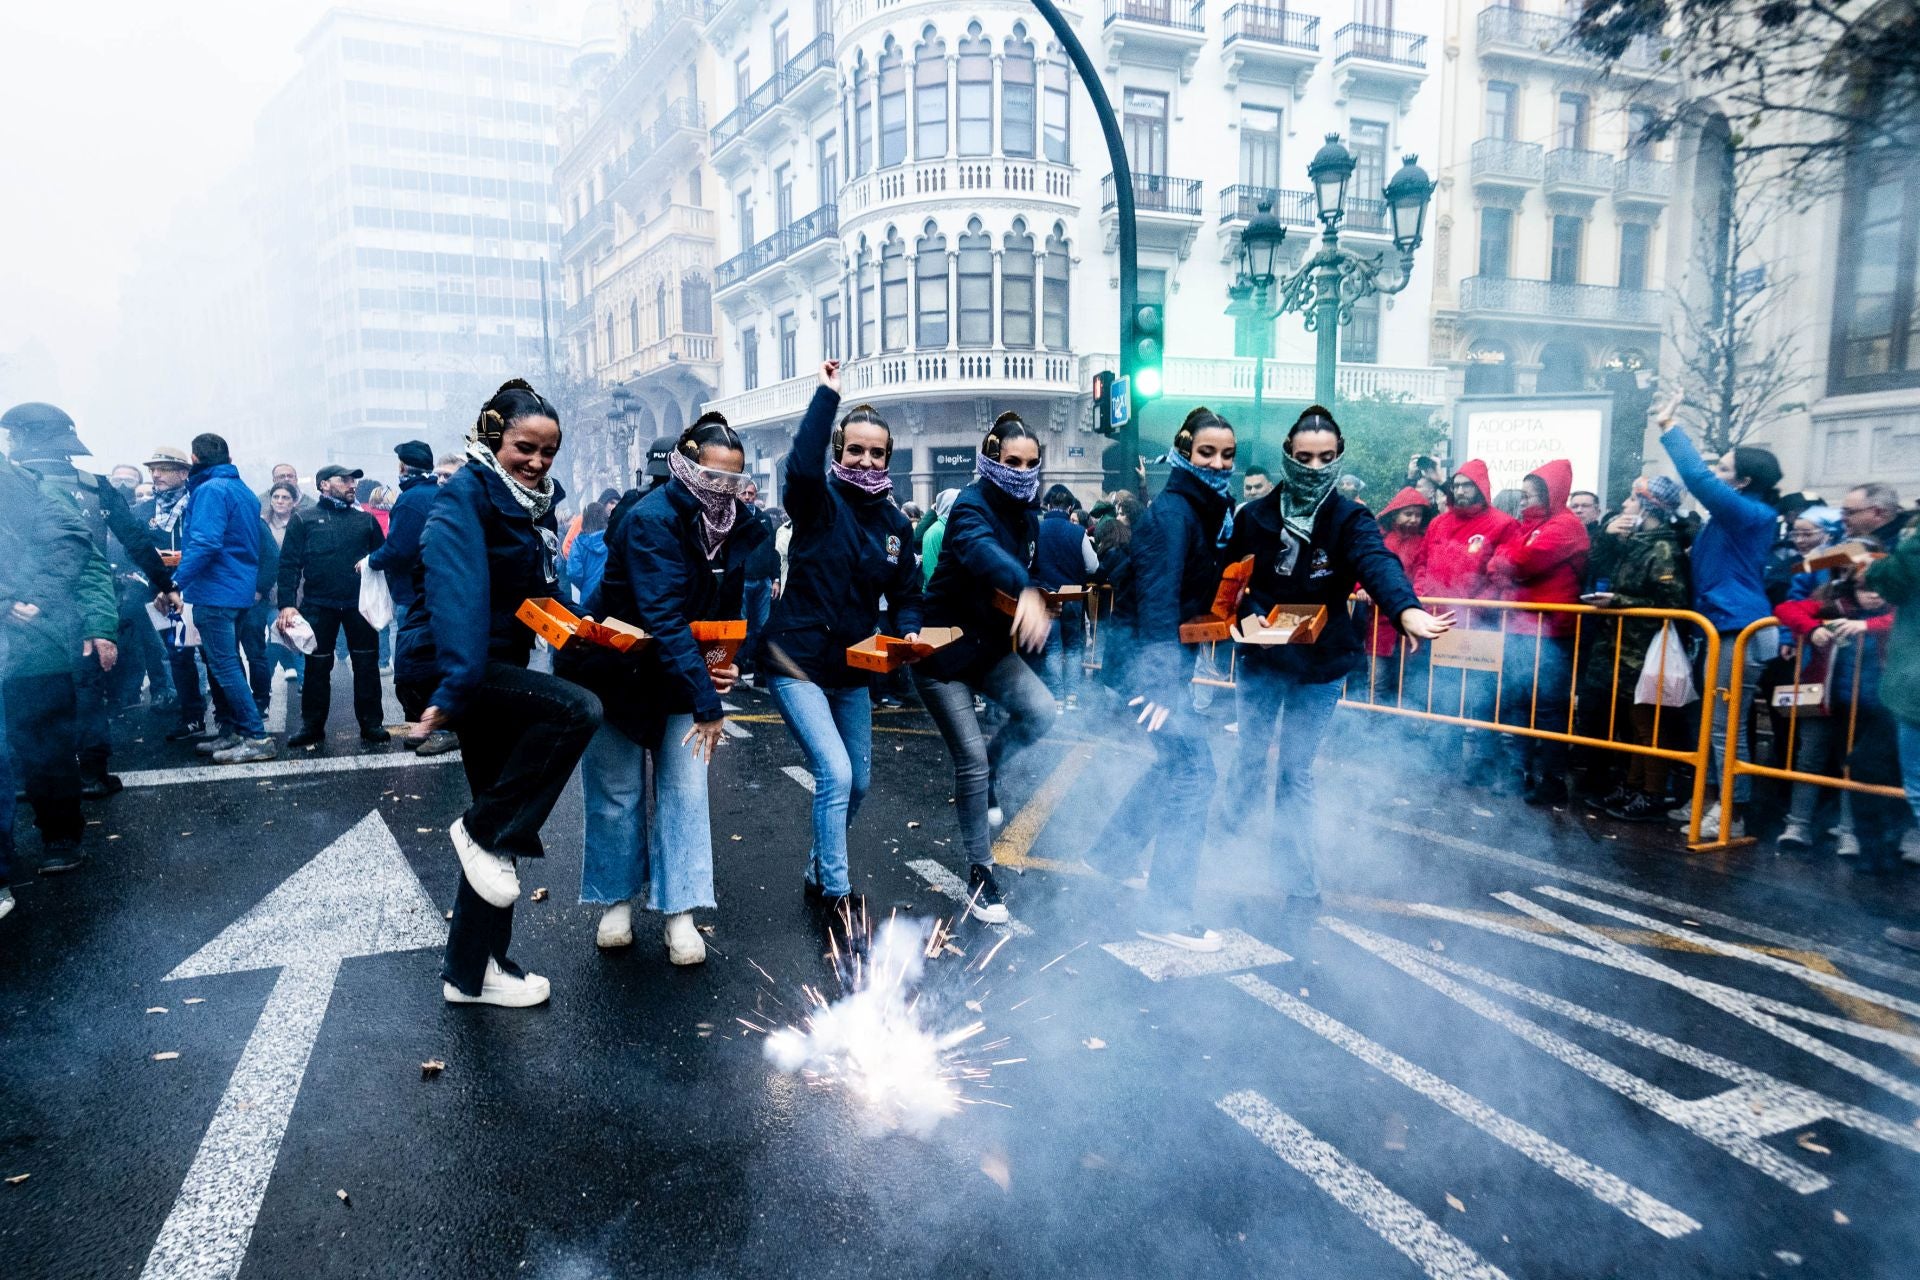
(534, 502)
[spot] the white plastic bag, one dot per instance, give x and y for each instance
(1667, 678)
(297, 637)
(376, 599)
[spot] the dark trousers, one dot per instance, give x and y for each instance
(1878, 821)
(757, 604)
(253, 647)
(1167, 806)
(363, 647)
(143, 656)
(91, 689)
(976, 762)
(1535, 692)
(40, 731)
(184, 666)
(520, 738)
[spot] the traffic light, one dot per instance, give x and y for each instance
(1147, 352)
(1103, 404)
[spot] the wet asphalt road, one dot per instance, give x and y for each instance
(1363, 1088)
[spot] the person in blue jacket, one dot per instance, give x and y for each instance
(1740, 492)
(851, 546)
(588, 559)
(1176, 571)
(992, 534)
(1065, 559)
(1309, 545)
(676, 557)
(490, 544)
(219, 575)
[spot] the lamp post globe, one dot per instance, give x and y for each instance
(1329, 170)
(1408, 193)
(1260, 246)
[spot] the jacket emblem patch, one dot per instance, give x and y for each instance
(1476, 544)
(893, 548)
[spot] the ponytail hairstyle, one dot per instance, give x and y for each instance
(516, 399)
(860, 413)
(1316, 418)
(1200, 419)
(1009, 426)
(709, 430)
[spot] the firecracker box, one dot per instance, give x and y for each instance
(557, 624)
(719, 641)
(171, 559)
(1839, 556)
(1008, 604)
(885, 654)
(1285, 624)
(1217, 623)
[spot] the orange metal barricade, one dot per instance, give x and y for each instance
(1733, 766)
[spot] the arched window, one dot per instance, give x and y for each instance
(1054, 296)
(975, 272)
(893, 106)
(930, 97)
(1058, 107)
(609, 327)
(975, 94)
(862, 116)
(660, 309)
(1489, 369)
(893, 293)
(1017, 95)
(1016, 287)
(1563, 367)
(930, 288)
(633, 323)
(865, 301)
(696, 304)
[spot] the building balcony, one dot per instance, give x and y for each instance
(576, 314)
(912, 375)
(1228, 378)
(696, 353)
(776, 402)
(593, 231)
(1502, 163)
(662, 149)
(800, 244)
(1641, 183)
(1293, 208)
(1380, 60)
(653, 51)
(774, 110)
(1546, 301)
(1571, 171)
(1156, 194)
(1154, 33)
(1503, 31)
(958, 178)
(1268, 44)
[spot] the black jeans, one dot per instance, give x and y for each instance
(142, 657)
(92, 688)
(363, 648)
(976, 762)
(40, 730)
(520, 738)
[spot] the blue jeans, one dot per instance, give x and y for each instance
(667, 856)
(1167, 806)
(757, 604)
(253, 643)
(219, 628)
(1536, 694)
(1065, 641)
(1266, 695)
(1909, 739)
(835, 728)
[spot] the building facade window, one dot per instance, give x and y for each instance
(1635, 239)
(893, 294)
(742, 78)
(633, 324)
(862, 117)
(1016, 287)
(789, 345)
(1640, 122)
(1146, 132)
(1260, 147)
(1017, 104)
(974, 94)
(659, 311)
(782, 196)
(1360, 340)
(974, 269)
(696, 304)
(744, 211)
(1568, 234)
(893, 106)
(930, 98)
(1876, 304)
(866, 300)
(777, 43)
(1369, 147)
(749, 359)
(1057, 295)
(1059, 108)
(1496, 242)
(930, 290)
(1503, 106)
(609, 349)
(696, 188)
(830, 327)
(826, 167)
(1570, 124)
(1563, 368)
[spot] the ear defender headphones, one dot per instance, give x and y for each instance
(491, 430)
(859, 413)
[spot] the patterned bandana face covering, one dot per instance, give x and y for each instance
(1221, 482)
(1022, 485)
(865, 481)
(533, 501)
(1302, 491)
(716, 491)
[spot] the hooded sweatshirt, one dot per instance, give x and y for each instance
(1545, 558)
(1459, 546)
(1410, 549)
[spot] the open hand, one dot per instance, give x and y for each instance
(1420, 625)
(1031, 623)
(1152, 714)
(705, 737)
(724, 678)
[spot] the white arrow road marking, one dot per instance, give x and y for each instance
(303, 765)
(1654, 1214)
(954, 887)
(1436, 1252)
(1160, 961)
(799, 775)
(357, 897)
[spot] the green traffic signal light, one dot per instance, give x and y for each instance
(1146, 382)
(1146, 352)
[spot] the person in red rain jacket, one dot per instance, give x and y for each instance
(1404, 525)
(1543, 562)
(1462, 540)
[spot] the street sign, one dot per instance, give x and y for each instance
(1122, 401)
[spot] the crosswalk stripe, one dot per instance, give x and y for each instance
(1160, 961)
(799, 775)
(1435, 1251)
(284, 768)
(944, 881)
(736, 730)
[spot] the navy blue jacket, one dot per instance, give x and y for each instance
(482, 555)
(849, 548)
(399, 554)
(1176, 572)
(317, 559)
(1346, 548)
(220, 545)
(658, 578)
(989, 546)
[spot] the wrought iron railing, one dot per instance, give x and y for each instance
(1293, 208)
(1271, 24)
(1157, 193)
(1561, 301)
(817, 55)
(822, 224)
(595, 222)
(1359, 41)
(1506, 158)
(1580, 168)
(1159, 13)
(1643, 176)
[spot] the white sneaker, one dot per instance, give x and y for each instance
(1846, 845)
(1710, 826)
(503, 988)
(1682, 813)
(1797, 835)
(684, 943)
(6, 901)
(616, 926)
(1231, 728)
(492, 875)
(996, 817)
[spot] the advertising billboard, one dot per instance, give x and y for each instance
(1515, 434)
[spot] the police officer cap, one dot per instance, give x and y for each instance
(42, 426)
(417, 454)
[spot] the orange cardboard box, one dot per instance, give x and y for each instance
(171, 559)
(719, 641)
(1838, 556)
(884, 653)
(1286, 624)
(1217, 624)
(557, 624)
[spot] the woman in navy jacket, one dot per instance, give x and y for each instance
(1176, 571)
(490, 544)
(676, 557)
(992, 533)
(851, 546)
(1310, 545)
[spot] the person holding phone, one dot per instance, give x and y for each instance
(676, 557)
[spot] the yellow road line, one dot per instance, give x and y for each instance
(1015, 842)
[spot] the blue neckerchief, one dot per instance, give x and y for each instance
(1221, 482)
(1021, 485)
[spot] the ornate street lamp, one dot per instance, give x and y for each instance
(1260, 246)
(1407, 194)
(1328, 171)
